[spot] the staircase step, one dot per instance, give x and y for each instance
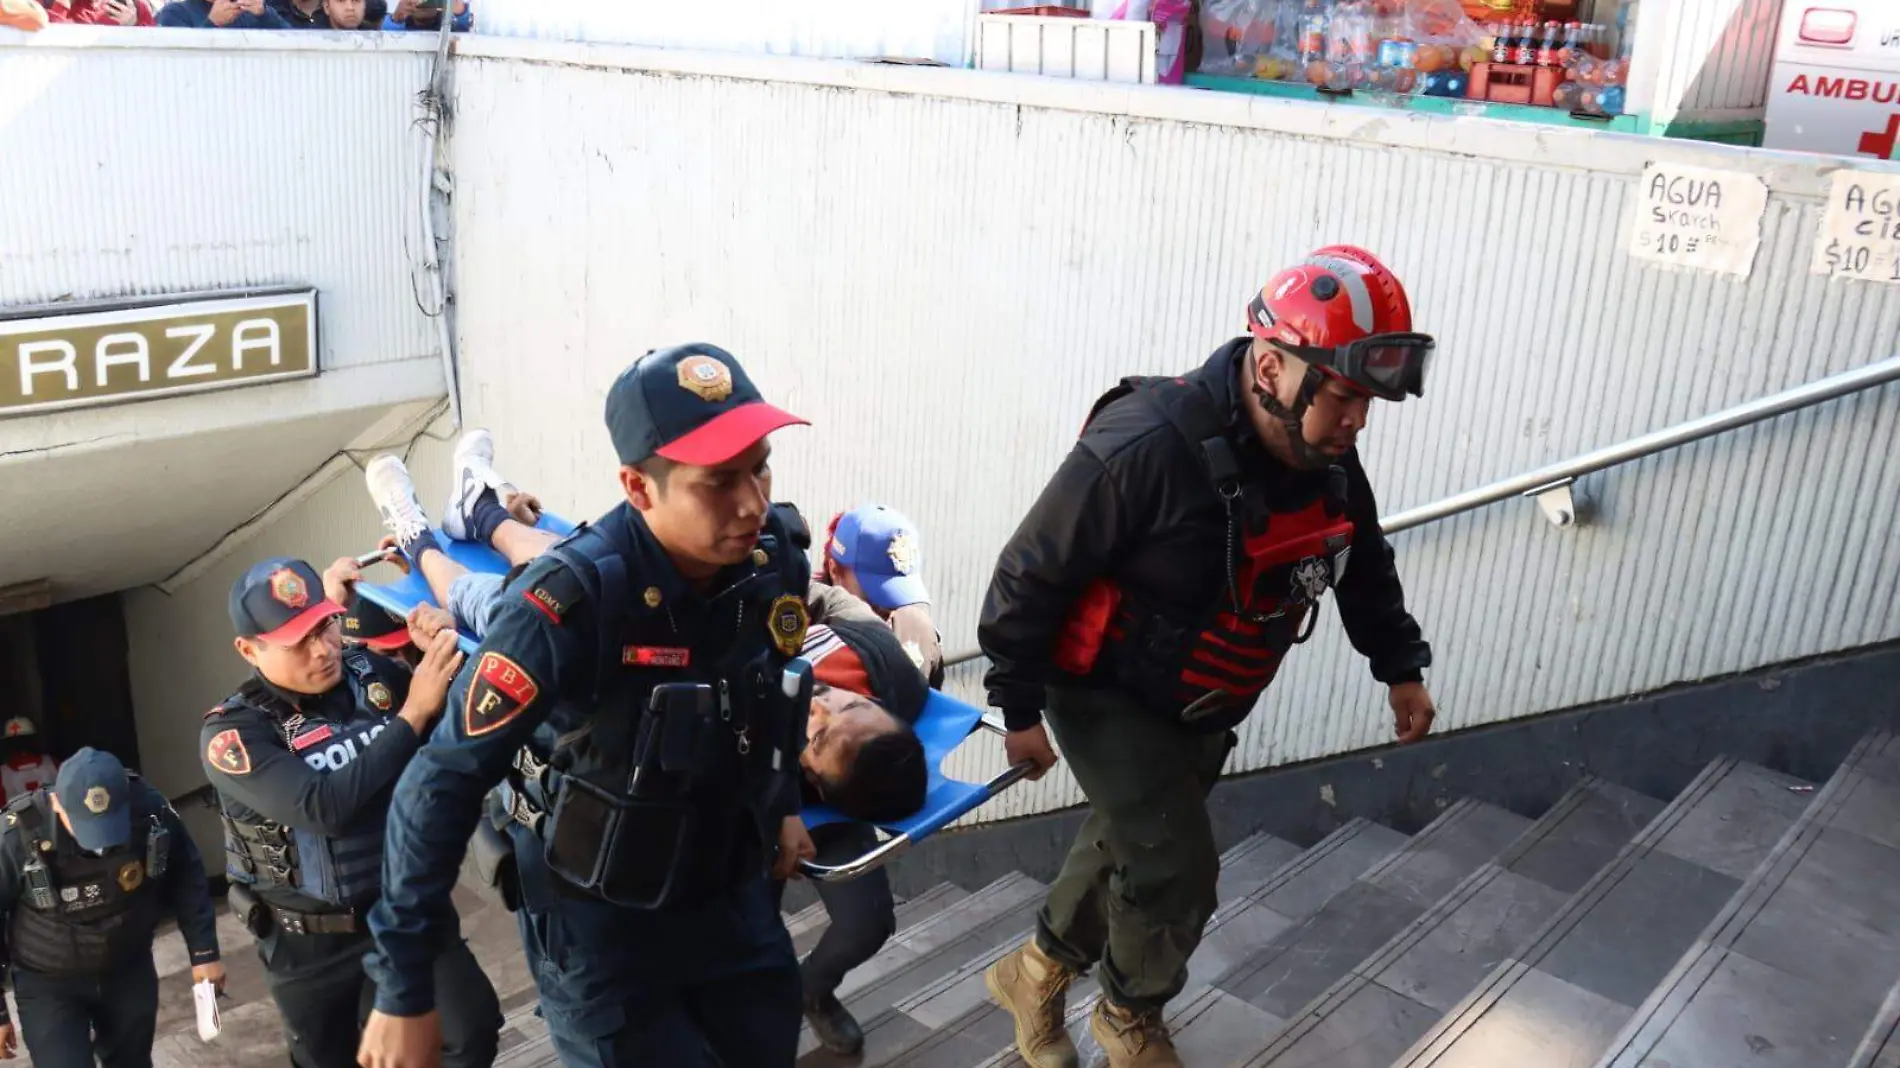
(1880, 1048)
(1391, 998)
(1791, 972)
(1251, 863)
(809, 924)
(955, 1011)
(918, 955)
(1237, 929)
(1281, 977)
(1560, 1001)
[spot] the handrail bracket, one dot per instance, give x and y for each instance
(1560, 503)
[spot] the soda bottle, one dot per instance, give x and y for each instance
(1550, 45)
(1503, 47)
(1527, 44)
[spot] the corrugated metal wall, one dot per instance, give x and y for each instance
(944, 283)
(936, 29)
(165, 161)
(1711, 55)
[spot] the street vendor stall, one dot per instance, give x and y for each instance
(1607, 64)
(1675, 68)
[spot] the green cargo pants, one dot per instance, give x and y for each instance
(1138, 886)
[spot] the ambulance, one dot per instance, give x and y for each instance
(1836, 80)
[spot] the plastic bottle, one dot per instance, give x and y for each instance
(1550, 44)
(1573, 43)
(1626, 29)
(1527, 44)
(1313, 27)
(1503, 47)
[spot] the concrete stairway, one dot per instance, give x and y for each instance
(1752, 920)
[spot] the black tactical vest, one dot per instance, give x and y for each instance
(81, 915)
(266, 855)
(655, 785)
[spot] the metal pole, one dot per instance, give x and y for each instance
(1741, 415)
(1826, 389)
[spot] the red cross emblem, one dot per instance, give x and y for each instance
(1879, 143)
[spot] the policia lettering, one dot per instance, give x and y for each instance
(265, 853)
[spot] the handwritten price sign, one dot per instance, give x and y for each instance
(1697, 217)
(1860, 234)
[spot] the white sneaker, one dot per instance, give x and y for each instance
(395, 495)
(473, 474)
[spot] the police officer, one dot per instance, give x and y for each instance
(304, 758)
(632, 687)
(1147, 599)
(87, 868)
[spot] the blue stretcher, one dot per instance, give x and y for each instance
(945, 723)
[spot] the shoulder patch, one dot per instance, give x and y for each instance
(226, 753)
(554, 593)
(500, 690)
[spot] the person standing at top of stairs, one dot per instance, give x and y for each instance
(1147, 600)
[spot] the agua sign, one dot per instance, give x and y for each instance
(54, 357)
(1696, 217)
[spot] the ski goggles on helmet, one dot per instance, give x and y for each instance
(1389, 366)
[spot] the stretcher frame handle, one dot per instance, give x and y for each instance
(900, 843)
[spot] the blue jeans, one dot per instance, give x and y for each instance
(693, 987)
(472, 599)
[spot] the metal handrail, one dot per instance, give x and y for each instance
(1788, 400)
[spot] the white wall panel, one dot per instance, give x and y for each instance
(1711, 55)
(934, 29)
(164, 161)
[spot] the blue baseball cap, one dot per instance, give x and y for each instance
(692, 404)
(881, 547)
(97, 799)
(279, 601)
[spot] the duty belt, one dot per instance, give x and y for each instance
(291, 921)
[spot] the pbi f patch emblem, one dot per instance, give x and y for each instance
(499, 693)
(287, 589)
(379, 696)
(787, 620)
(98, 800)
(131, 875)
(226, 753)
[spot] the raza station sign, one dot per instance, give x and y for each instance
(83, 355)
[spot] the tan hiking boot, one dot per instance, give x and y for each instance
(1132, 1039)
(1032, 989)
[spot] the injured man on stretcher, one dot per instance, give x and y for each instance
(861, 756)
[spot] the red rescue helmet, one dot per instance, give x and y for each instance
(1344, 313)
